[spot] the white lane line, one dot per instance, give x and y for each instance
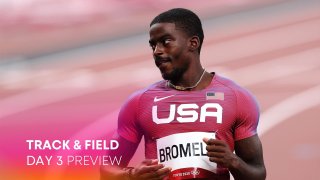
(289, 107)
(262, 42)
(61, 90)
(279, 67)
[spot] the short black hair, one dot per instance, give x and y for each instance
(184, 19)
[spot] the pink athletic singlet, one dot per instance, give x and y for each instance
(159, 111)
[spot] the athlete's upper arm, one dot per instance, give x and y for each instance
(128, 133)
(250, 150)
(128, 125)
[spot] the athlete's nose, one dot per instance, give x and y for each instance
(158, 50)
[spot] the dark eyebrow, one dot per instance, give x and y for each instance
(165, 36)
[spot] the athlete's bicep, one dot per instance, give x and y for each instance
(250, 151)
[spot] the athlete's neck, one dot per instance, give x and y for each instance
(191, 81)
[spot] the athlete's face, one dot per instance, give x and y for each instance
(170, 50)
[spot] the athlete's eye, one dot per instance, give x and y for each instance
(166, 41)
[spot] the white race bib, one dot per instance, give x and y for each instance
(186, 154)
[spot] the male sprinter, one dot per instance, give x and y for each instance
(193, 120)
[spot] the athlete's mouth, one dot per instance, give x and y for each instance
(160, 60)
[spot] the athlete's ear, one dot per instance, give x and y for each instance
(194, 43)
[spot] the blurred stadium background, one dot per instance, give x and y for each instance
(67, 66)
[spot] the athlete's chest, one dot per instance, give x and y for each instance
(167, 112)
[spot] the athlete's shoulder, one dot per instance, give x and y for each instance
(224, 81)
(239, 91)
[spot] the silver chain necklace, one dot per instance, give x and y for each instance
(181, 88)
